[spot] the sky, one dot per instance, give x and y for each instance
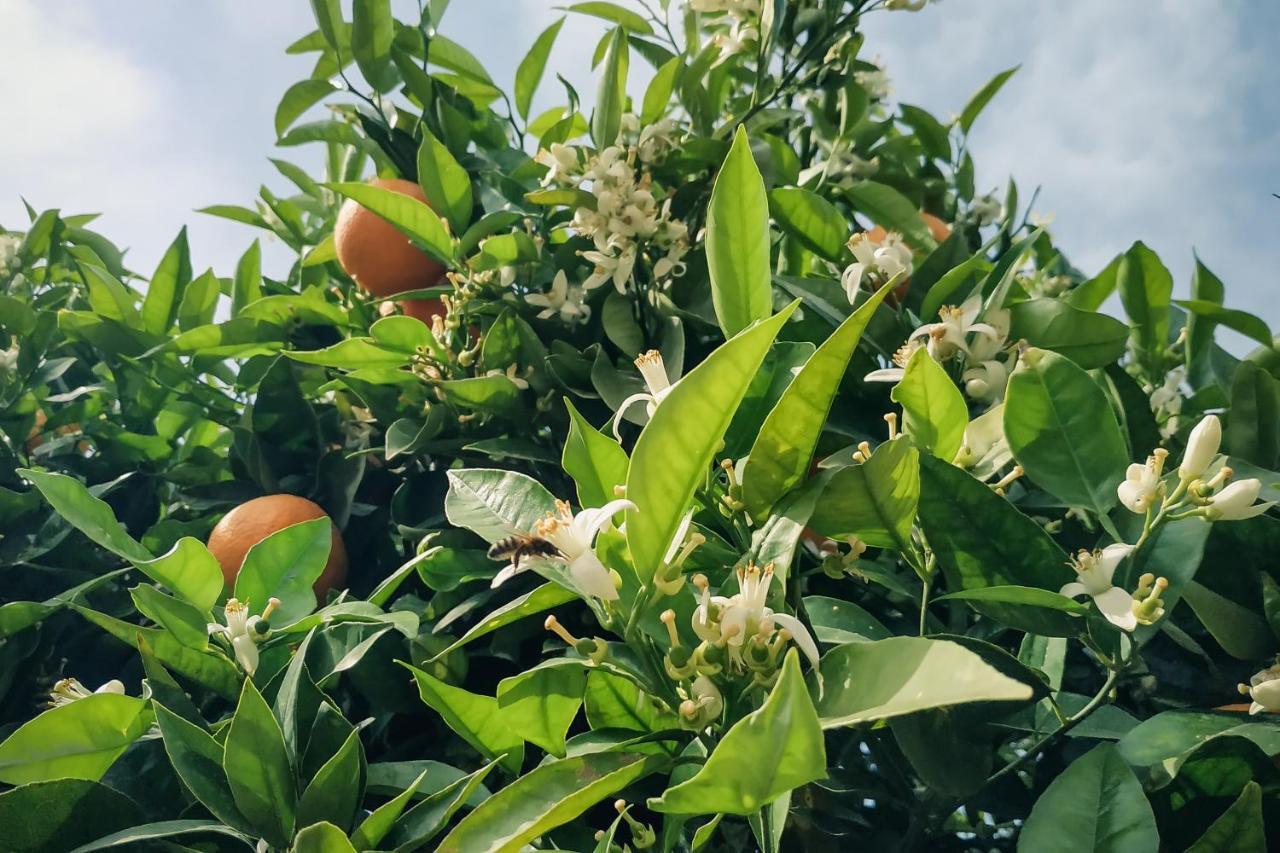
(1154, 120)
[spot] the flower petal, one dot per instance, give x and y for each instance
(1072, 589)
(1117, 606)
(800, 634)
(591, 576)
(885, 374)
(508, 572)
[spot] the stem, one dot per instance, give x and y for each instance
(1048, 740)
(924, 603)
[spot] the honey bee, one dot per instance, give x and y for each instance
(520, 546)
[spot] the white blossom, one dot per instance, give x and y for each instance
(245, 631)
(574, 536)
(1094, 571)
(561, 301)
(69, 690)
(1202, 447)
(875, 260)
(1142, 487)
(657, 386)
(1236, 502)
(745, 615)
(1264, 689)
(513, 373)
(876, 83)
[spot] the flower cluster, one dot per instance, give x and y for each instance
(876, 260)
(983, 344)
(743, 625)
(244, 631)
(1145, 492)
(741, 19)
(1166, 401)
(625, 222)
(9, 261)
(1094, 571)
(573, 536)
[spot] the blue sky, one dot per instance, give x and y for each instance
(1155, 120)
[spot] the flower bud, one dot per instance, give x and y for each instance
(1236, 501)
(1202, 447)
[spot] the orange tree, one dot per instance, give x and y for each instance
(715, 467)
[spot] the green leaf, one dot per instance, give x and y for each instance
(550, 796)
(1063, 431)
(611, 95)
(1239, 829)
(1243, 633)
(375, 827)
(837, 621)
(811, 219)
(1095, 806)
(475, 718)
(1253, 427)
(623, 17)
(199, 302)
(529, 73)
(542, 598)
(352, 353)
(449, 54)
(108, 297)
(1089, 339)
(189, 570)
(671, 456)
(425, 820)
(1145, 289)
(935, 413)
(61, 814)
(91, 516)
(328, 16)
(983, 97)
(738, 241)
(187, 624)
(197, 759)
(373, 29)
(299, 98)
(658, 95)
(80, 740)
(1243, 322)
(876, 500)
(258, 769)
(767, 753)
(165, 290)
(540, 703)
(879, 680)
(892, 211)
(444, 182)
(415, 219)
(614, 702)
(784, 446)
(980, 539)
(1090, 295)
(246, 287)
(285, 565)
(1025, 608)
(322, 837)
(335, 791)
(596, 462)
(495, 504)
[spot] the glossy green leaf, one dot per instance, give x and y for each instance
(766, 754)
(1237, 830)
(611, 93)
(784, 446)
(425, 820)
(614, 12)
(876, 500)
(328, 15)
(540, 703)
(551, 795)
(1145, 288)
(475, 718)
(1247, 324)
(299, 98)
(285, 565)
(529, 72)
(246, 287)
(540, 599)
(1089, 339)
(60, 814)
(90, 515)
(335, 791)
(1025, 608)
(375, 827)
(983, 97)
(415, 219)
(1063, 431)
(322, 837)
(865, 682)
(738, 241)
(258, 768)
(935, 413)
(372, 32)
(80, 740)
(1243, 633)
(980, 539)
(614, 702)
(165, 290)
(444, 182)
(892, 211)
(108, 297)
(197, 759)
(495, 504)
(658, 95)
(1095, 806)
(673, 452)
(811, 219)
(352, 353)
(187, 624)
(596, 462)
(189, 570)
(1253, 426)
(836, 621)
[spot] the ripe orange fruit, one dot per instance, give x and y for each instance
(255, 520)
(423, 309)
(376, 254)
